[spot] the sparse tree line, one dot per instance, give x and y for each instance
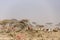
(19, 29)
(24, 24)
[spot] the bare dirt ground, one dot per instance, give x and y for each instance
(34, 35)
(24, 30)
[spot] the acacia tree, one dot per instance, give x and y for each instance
(22, 24)
(49, 24)
(40, 26)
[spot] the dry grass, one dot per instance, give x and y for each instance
(20, 30)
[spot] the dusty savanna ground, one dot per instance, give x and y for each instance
(31, 35)
(25, 30)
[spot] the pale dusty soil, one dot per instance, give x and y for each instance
(32, 35)
(24, 30)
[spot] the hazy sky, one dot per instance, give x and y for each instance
(41, 11)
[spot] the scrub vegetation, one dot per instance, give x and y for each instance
(14, 29)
